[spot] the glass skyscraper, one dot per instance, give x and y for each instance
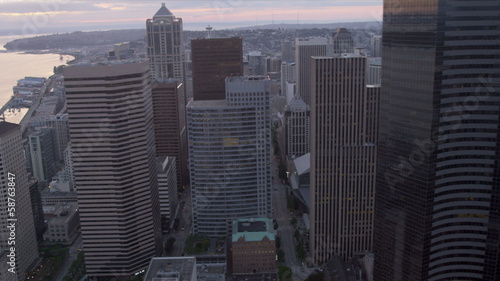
(437, 208)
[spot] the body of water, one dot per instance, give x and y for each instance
(17, 65)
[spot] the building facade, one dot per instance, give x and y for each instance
(297, 122)
(287, 75)
(343, 158)
(43, 152)
(342, 42)
(62, 223)
(437, 212)
(304, 50)
(17, 235)
(213, 59)
(169, 116)
(112, 139)
(165, 45)
(229, 150)
(167, 189)
(376, 45)
(253, 246)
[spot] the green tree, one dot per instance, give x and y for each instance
(301, 252)
(315, 277)
(169, 245)
(284, 273)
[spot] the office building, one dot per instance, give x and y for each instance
(172, 268)
(165, 45)
(257, 63)
(59, 123)
(287, 51)
(112, 140)
(169, 118)
(37, 209)
(342, 41)
(343, 157)
(376, 45)
(43, 152)
(229, 155)
(297, 118)
(437, 210)
(304, 50)
(213, 60)
(167, 190)
(374, 71)
(62, 223)
(15, 189)
(288, 75)
(253, 246)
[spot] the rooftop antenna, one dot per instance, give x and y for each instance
(209, 31)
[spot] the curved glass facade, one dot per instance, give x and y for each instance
(438, 195)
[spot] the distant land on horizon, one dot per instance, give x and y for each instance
(79, 39)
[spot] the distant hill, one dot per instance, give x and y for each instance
(349, 25)
(266, 38)
(76, 39)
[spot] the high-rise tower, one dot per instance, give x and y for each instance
(437, 210)
(165, 45)
(113, 148)
(169, 111)
(304, 50)
(17, 234)
(342, 41)
(213, 60)
(343, 155)
(229, 151)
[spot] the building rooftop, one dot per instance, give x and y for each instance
(207, 103)
(253, 230)
(171, 269)
(6, 127)
(163, 12)
(303, 164)
(246, 78)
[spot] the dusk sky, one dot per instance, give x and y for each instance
(33, 17)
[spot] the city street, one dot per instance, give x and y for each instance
(184, 228)
(73, 251)
(285, 229)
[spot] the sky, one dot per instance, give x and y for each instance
(39, 16)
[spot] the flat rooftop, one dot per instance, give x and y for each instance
(6, 127)
(256, 226)
(171, 268)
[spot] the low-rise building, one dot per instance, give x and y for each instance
(63, 222)
(253, 246)
(172, 269)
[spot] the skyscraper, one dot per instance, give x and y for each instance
(17, 234)
(213, 60)
(169, 117)
(112, 140)
(43, 152)
(304, 50)
(287, 51)
(376, 45)
(229, 151)
(342, 41)
(437, 210)
(343, 155)
(165, 45)
(297, 123)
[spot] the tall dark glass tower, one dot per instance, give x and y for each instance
(437, 203)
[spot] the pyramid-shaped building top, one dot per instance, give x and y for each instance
(163, 12)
